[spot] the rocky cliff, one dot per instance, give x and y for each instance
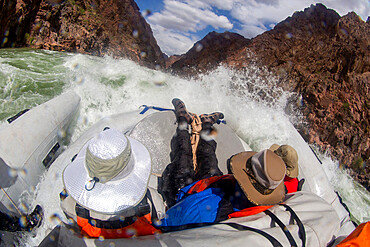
(96, 27)
(323, 57)
(208, 53)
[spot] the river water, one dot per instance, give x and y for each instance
(254, 108)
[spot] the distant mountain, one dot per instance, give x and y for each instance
(97, 27)
(209, 52)
(321, 56)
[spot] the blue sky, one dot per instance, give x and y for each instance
(178, 24)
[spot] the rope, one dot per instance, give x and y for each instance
(196, 128)
(10, 199)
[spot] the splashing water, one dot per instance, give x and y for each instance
(253, 108)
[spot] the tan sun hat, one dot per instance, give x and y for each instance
(260, 175)
(290, 157)
(110, 174)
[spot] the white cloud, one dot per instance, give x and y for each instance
(185, 17)
(176, 26)
(255, 15)
(220, 4)
(173, 42)
(250, 31)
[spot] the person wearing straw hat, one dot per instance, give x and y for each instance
(254, 179)
(290, 158)
(106, 187)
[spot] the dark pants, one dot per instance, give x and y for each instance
(180, 172)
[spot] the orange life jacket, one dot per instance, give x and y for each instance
(359, 237)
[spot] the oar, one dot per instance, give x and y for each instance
(10, 199)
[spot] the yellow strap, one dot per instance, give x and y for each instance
(196, 127)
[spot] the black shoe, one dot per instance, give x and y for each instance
(180, 111)
(35, 218)
(211, 118)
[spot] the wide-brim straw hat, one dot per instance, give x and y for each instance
(110, 173)
(260, 175)
(290, 157)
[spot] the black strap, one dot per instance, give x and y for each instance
(240, 227)
(114, 224)
(301, 230)
(282, 226)
(300, 184)
(141, 209)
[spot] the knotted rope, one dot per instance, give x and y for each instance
(196, 128)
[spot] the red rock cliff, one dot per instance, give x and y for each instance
(96, 27)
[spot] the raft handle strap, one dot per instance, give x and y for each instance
(301, 230)
(283, 227)
(146, 108)
(241, 227)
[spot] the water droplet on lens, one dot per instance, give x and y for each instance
(32, 189)
(76, 66)
(101, 238)
(13, 172)
(22, 172)
(23, 208)
(344, 31)
(198, 47)
(5, 40)
(83, 120)
(157, 235)
(61, 133)
(146, 13)
(135, 33)
(23, 221)
(52, 238)
(80, 81)
(131, 232)
(55, 219)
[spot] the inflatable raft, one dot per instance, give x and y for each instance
(317, 217)
(29, 143)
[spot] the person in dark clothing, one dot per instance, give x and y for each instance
(24, 223)
(180, 173)
(204, 194)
